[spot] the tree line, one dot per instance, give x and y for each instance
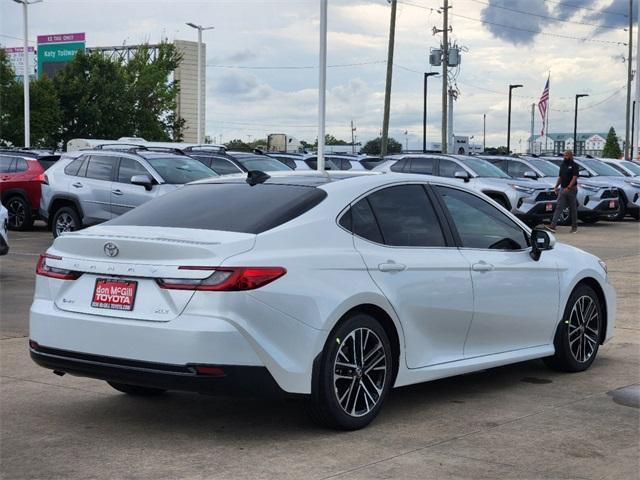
(94, 96)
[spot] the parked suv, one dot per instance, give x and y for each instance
(91, 186)
(628, 188)
(21, 173)
(626, 167)
(528, 200)
(596, 198)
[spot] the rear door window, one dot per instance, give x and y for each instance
(74, 167)
(21, 165)
(406, 217)
(246, 209)
(364, 223)
(399, 165)
(100, 167)
(425, 166)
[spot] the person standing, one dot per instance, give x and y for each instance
(567, 183)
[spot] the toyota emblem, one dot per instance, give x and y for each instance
(111, 249)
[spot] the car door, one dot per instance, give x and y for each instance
(516, 299)
(94, 190)
(7, 171)
(124, 194)
(412, 260)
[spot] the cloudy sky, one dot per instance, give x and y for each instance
(262, 60)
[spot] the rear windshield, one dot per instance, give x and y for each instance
(179, 170)
(231, 207)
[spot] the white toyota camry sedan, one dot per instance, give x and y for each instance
(337, 287)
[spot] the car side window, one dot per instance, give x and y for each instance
(100, 167)
(74, 166)
(448, 168)
(223, 166)
(517, 169)
(128, 168)
(502, 165)
(481, 225)
(5, 164)
(21, 165)
(425, 166)
(363, 222)
(399, 165)
(406, 217)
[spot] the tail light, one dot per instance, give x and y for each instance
(53, 272)
(225, 279)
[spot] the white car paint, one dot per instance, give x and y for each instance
(4, 230)
(451, 316)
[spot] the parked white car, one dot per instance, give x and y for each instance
(4, 230)
(336, 286)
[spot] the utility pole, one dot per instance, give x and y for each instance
(484, 132)
(445, 70)
(575, 124)
(387, 90)
(452, 97)
(629, 74)
(353, 139)
(511, 87)
(424, 111)
(533, 113)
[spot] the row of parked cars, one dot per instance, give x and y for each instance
(85, 187)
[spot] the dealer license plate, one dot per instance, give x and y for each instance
(549, 207)
(612, 204)
(114, 294)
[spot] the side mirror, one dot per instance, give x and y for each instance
(531, 174)
(541, 241)
(462, 175)
(143, 180)
(584, 173)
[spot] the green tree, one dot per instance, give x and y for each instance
(237, 144)
(152, 96)
(373, 147)
(611, 146)
(331, 140)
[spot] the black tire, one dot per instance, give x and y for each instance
(589, 220)
(19, 210)
(330, 379)
(137, 390)
(573, 342)
(622, 212)
(67, 216)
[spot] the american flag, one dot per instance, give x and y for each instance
(543, 103)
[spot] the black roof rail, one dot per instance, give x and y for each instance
(205, 146)
(118, 146)
(177, 151)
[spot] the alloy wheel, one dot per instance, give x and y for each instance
(564, 215)
(17, 213)
(360, 372)
(65, 223)
(584, 329)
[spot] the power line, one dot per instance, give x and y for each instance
(547, 17)
(537, 32)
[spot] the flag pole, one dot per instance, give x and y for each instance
(546, 130)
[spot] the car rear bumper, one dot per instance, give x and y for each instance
(234, 380)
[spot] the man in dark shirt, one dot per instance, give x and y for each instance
(567, 183)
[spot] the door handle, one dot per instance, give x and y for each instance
(391, 267)
(117, 192)
(482, 267)
(77, 185)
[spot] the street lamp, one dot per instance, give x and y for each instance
(511, 87)
(200, 28)
(575, 124)
(25, 70)
(424, 111)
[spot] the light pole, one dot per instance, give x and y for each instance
(200, 28)
(511, 87)
(575, 124)
(25, 70)
(484, 132)
(322, 83)
(424, 111)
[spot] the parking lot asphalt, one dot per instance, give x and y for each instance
(521, 421)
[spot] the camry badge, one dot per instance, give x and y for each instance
(111, 249)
